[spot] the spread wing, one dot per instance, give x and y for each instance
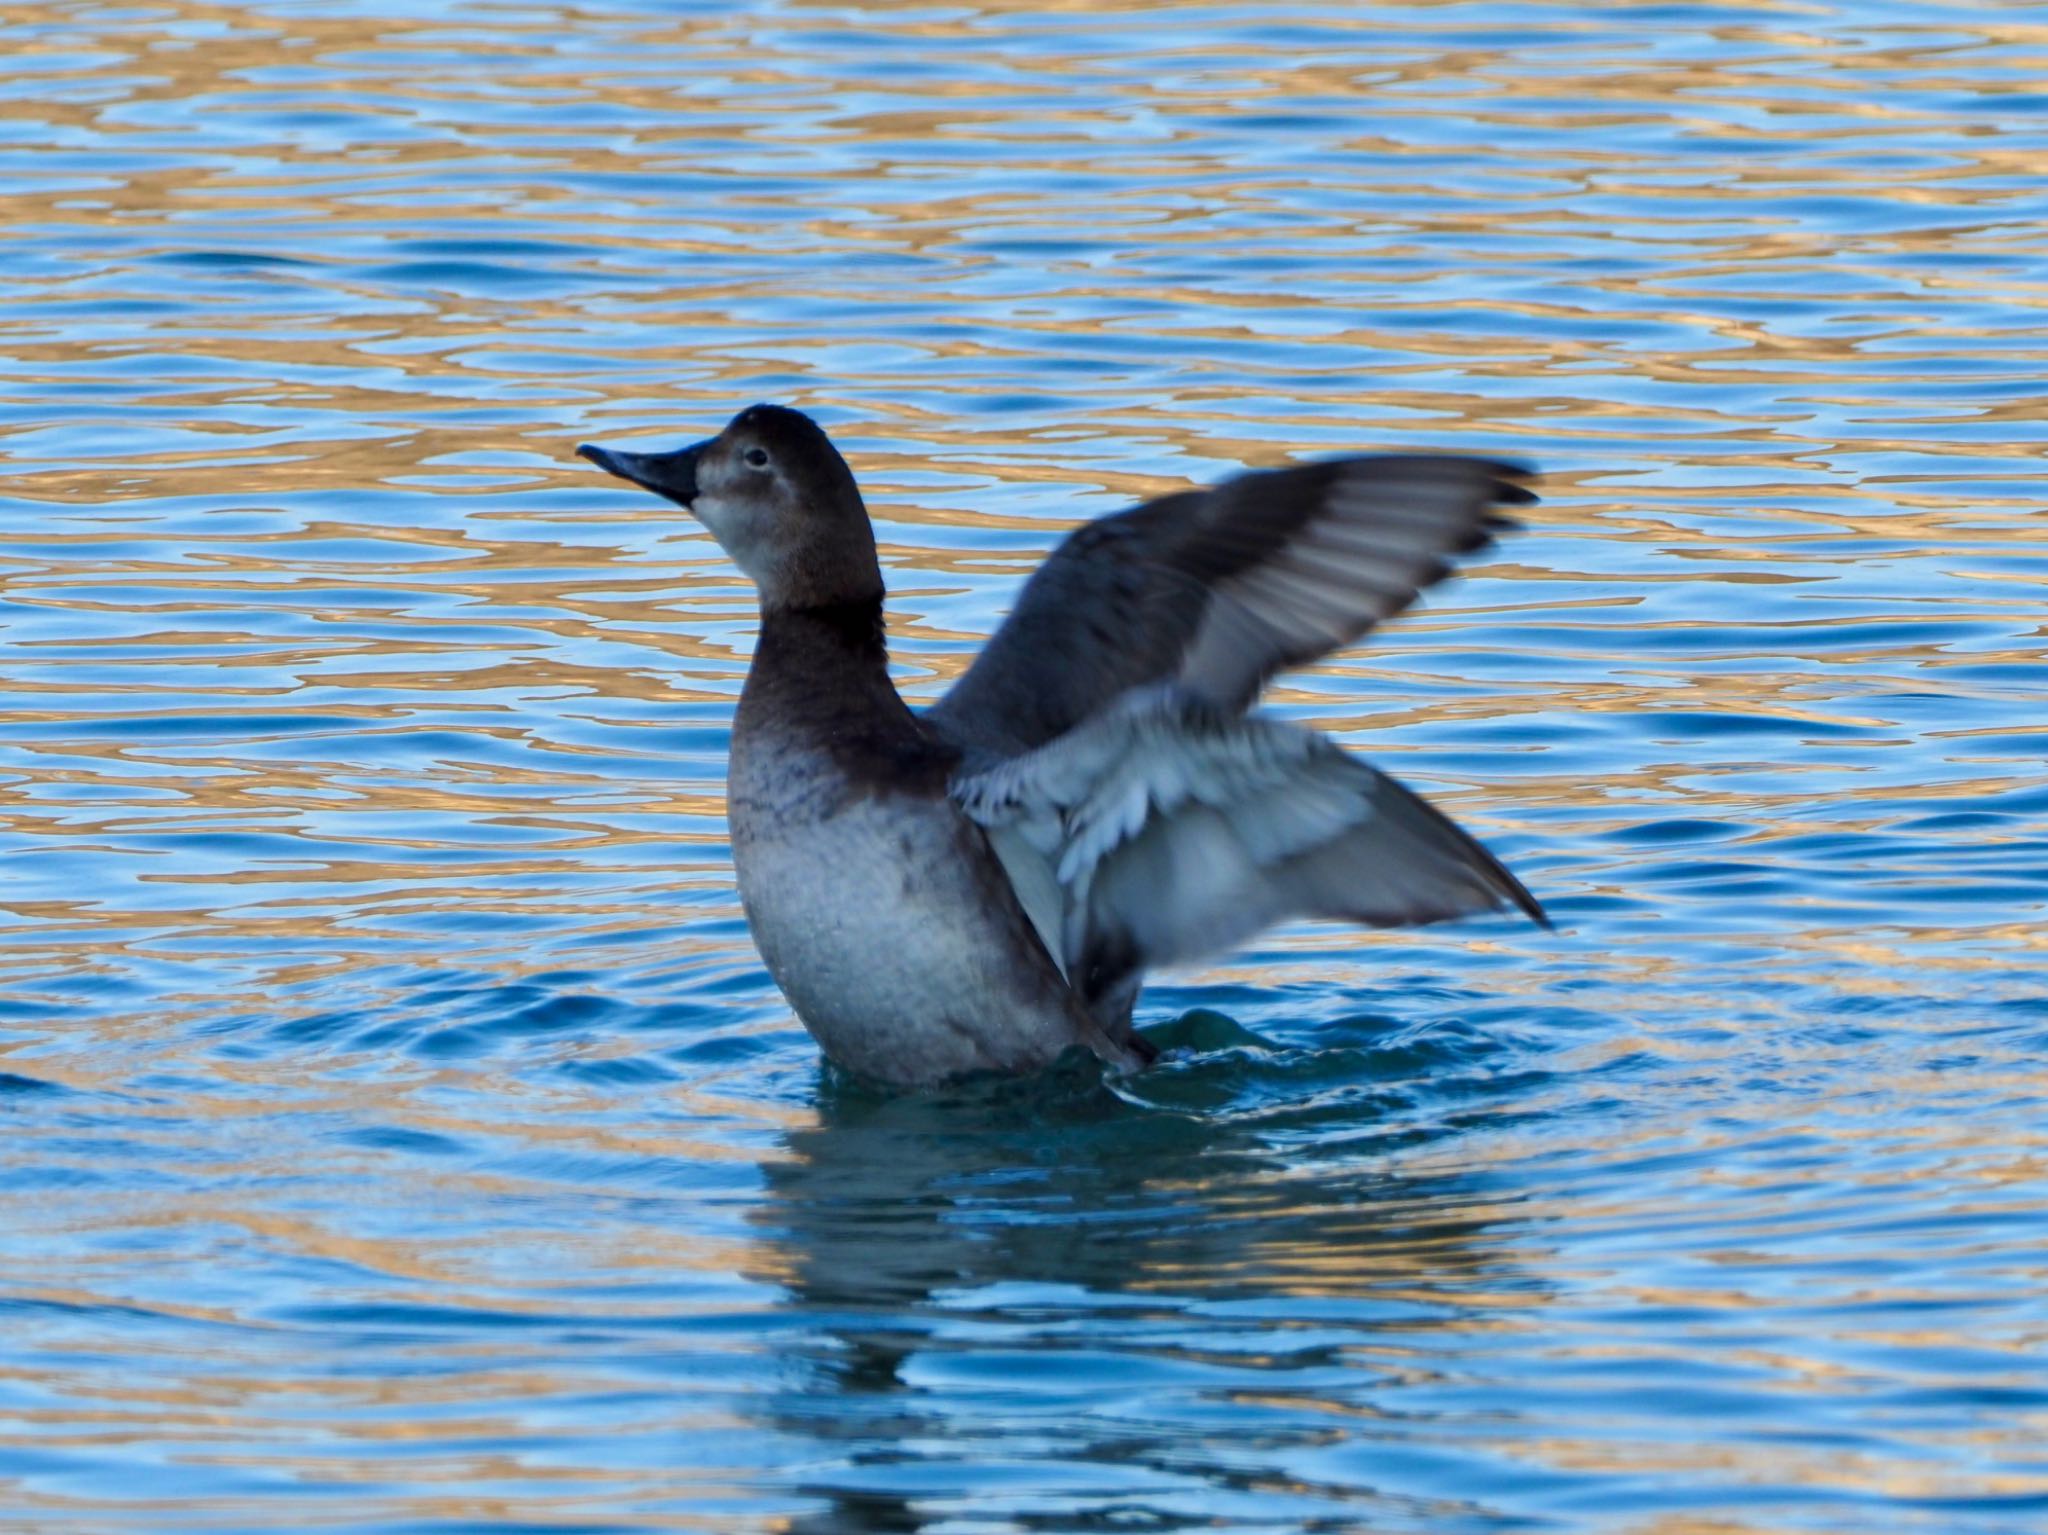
(1216, 590)
(1167, 829)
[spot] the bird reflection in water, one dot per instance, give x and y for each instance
(1030, 1220)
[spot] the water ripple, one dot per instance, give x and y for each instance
(403, 1134)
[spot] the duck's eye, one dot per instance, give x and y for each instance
(757, 458)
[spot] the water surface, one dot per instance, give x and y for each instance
(401, 1134)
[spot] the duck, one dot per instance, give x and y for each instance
(982, 886)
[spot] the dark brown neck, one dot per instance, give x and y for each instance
(823, 658)
(820, 680)
(854, 626)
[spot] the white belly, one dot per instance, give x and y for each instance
(893, 933)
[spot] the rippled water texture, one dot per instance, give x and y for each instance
(400, 1133)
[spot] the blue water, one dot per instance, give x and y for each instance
(400, 1132)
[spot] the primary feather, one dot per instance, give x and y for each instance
(1219, 589)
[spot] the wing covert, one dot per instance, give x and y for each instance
(1168, 829)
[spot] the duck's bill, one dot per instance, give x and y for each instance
(673, 475)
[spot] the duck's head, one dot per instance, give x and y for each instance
(778, 498)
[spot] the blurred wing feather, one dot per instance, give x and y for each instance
(1171, 829)
(1216, 590)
